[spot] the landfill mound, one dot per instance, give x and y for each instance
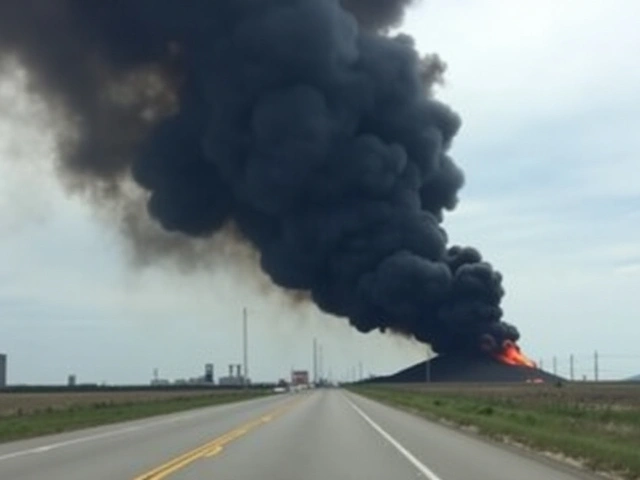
(463, 368)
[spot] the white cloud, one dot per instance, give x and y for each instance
(546, 57)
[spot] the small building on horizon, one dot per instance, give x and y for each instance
(235, 377)
(299, 378)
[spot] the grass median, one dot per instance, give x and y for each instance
(57, 419)
(601, 432)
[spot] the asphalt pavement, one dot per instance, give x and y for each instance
(316, 435)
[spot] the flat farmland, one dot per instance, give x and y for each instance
(12, 404)
(587, 395)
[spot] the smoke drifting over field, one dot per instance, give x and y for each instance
(293, 123)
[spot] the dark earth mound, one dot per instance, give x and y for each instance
(461, 368)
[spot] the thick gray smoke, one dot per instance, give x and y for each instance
(377, 14)
(318, 140)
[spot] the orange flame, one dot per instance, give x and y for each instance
(511, 355)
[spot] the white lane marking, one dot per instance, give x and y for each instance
(53, 446)
(98, 436)
(89, 438)
(422, 468)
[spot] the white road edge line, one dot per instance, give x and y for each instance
(148, 423)
(406, 453)
(53, 446)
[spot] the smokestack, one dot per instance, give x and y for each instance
(231, 371)
(294, 124)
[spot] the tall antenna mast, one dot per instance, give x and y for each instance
(245, 335)
(315, 361)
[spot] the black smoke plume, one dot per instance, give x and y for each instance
(377, 14)
(317, 139)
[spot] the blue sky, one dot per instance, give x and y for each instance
(550, 99)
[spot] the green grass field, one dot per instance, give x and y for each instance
(108, 409)
(598, 425)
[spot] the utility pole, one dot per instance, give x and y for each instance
(320, 363)
(596, 367)
(571, 367)
(555, 366)
(315, 361)
(245, 347)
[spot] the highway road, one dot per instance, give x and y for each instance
(318, 435)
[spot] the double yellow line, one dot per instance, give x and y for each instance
(213, 447)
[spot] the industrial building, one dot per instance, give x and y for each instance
(234, 379)
(3, 370)
(209, 376)
(299, 378)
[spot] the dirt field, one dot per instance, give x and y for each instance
(26, 403)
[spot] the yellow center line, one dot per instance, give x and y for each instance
(214, 451)
(214, 447)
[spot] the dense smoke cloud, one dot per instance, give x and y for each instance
(377, 14)
(317, 139)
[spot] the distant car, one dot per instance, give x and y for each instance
(279, 390)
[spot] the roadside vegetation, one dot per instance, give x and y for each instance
(29, 415)
(596, 424)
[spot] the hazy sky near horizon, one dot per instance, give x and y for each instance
(549, 93)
